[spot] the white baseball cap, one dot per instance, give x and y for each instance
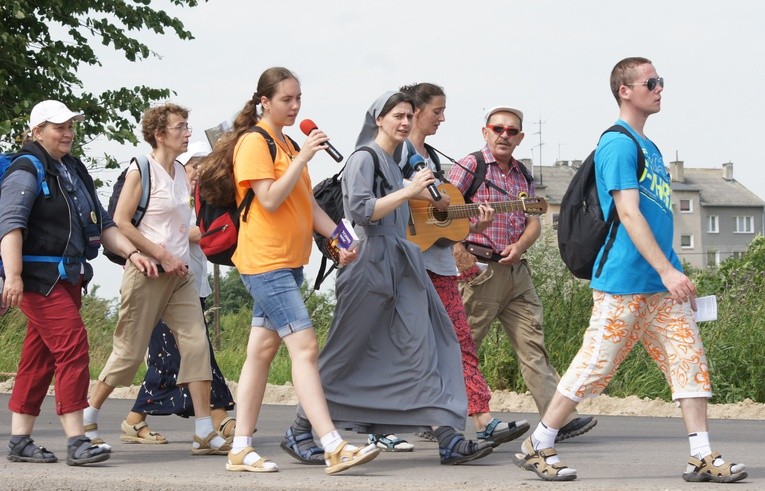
(196, 149)
(500, 109)
(53, 112)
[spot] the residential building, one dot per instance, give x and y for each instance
(716, 217)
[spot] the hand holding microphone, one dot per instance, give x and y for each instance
(307, 126)
(418, 163)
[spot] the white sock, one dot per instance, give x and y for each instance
(203, 427)
(544, 437)
(332, 440)
(240, 443)
(699, 442)
(90, 416)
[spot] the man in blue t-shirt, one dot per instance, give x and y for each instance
(641, 295)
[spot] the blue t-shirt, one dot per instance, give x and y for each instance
(625, 270)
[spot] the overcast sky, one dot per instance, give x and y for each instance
(551, 59)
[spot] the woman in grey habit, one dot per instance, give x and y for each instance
(391, 363)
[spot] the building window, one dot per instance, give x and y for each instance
(686, 206)
(686, 241)
(714, 224)
(713, 259)
(737, 255)
(745, 225)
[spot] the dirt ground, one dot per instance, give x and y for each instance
(506, 401)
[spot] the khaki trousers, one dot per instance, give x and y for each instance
(507, 293)
(143, 302)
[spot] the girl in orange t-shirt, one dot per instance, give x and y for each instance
(273, 246)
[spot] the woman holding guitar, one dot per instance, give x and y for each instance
(430, 106)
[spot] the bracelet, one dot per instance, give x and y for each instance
(134, 252)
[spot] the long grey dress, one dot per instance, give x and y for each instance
(391, 362)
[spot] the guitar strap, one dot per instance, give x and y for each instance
(479, 175)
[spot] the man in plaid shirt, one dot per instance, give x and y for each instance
(495, 279)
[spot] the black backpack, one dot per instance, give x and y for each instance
(329, 195)
(219, 225)
(582, 229)
(143, 169)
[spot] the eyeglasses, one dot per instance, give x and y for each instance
(651, 83)
(181, 127)
(499, 129)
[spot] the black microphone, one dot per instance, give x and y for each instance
(418, 163)
(307, 126)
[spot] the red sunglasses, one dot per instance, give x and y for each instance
(499, 129)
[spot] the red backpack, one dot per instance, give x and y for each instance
(219, 225)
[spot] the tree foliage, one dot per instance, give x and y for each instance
(46, 42)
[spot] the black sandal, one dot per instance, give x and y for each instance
(291, 444)
(82, 451)
(25, 450)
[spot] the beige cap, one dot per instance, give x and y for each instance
(503, 109)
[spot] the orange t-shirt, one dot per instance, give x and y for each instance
(271, 240)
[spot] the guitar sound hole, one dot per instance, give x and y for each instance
(440, 216)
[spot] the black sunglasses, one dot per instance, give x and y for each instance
(499, 129)
(651, 83)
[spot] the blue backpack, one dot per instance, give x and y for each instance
(6, 160)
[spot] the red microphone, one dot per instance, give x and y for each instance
(307, 126)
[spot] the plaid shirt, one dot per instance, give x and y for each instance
(506, 228)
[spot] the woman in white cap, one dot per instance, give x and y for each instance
(50, 227)
(159, 394)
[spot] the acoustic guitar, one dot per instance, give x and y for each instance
(428, 225)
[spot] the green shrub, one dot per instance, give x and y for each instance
(735, 342)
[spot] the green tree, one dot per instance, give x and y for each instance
(46, 42)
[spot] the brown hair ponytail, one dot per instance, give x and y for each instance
(216, 171)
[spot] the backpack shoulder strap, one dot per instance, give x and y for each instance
(613, 216)
(479, 175)
(526, 174)
(37, 170)
(617, 128)
(383, 182)
(142, 162)
(42, 184)
(269, 140)
(294, 143)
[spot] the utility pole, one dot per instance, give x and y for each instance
(539, 132)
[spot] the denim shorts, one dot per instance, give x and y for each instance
(278, 303)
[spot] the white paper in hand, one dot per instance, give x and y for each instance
(706, 309)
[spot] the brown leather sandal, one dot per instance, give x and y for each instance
(705, 470)
(535, 461)
(131, 434)
(204, 447)
(343, 458)
(227, 423)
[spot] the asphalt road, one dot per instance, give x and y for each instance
(620, 453)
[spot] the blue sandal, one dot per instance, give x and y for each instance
(451, 457)
(291, 444)
(496, 438)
